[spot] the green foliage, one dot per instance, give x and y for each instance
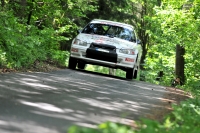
(120, 73)
(21, 45)
(37, 30)
(174, 22)
(99, 69)
(76, 129)
(2, 58)
(105, 70)
(162, 25)
(184, 119)
(107, 127)
(160, 61)
(61, 57)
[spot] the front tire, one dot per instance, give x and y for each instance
(135, 74)
(81, 65)
(72, 63)
(129, 73)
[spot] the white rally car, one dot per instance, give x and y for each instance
(106, 43)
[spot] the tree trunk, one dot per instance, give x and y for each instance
(30, 12)
(179, 68)
(145, 40)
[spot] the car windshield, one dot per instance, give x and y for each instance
(110, 30)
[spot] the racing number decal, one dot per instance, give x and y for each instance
(100, 40)
(129, 60)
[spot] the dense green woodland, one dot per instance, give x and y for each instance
(36, 31)
(41, 31)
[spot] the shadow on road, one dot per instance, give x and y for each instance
(51, 102)
(102, 74)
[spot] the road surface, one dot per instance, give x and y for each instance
(52, 102)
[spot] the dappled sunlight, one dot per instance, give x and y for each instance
(56, 115)
(148, 87)
(84, 88)
(66, 97)
(99, 104)
(103, 92)
(119, 106)
(86, 125)
(44, 106)
(25, 91)
(167, 100)
(93, 76)
(90, 84)
(3, 122)
(25, 96)
(29, 80)
(24, 127)
(36, 85)
(103, 98)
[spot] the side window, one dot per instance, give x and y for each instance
(128, 35)
(125, 34)
(95, 29)
(88, 29)
(111, 30)
(105, 27)
(98, 29)
(114, 31)
(133, 37)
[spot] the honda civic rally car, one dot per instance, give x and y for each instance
(106, 43)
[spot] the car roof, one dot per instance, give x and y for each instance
(112, 23)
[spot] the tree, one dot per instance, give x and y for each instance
(180, 64)
(161, 26)
(174, 32)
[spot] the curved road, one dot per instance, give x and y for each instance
(51, 102)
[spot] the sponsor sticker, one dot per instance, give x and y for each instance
(129, 60)
(74, 50)
(100, 40)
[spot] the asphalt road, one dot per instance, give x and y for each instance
(52, 102)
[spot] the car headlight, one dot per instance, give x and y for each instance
(127, 51)
(79, 42)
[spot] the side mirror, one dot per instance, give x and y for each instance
(138, 41)
(79, 31)
(133, 40)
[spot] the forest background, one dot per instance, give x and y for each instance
(38, 31)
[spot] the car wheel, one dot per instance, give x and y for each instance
(81, 65)
(135, 74)
(129, 73)
(72, 63)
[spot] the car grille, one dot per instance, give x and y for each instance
(103, 46)
(102, 52)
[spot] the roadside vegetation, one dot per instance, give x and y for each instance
(36, 32)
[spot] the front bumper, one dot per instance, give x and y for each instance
(114, 60)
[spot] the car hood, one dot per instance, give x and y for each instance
(117, 42)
